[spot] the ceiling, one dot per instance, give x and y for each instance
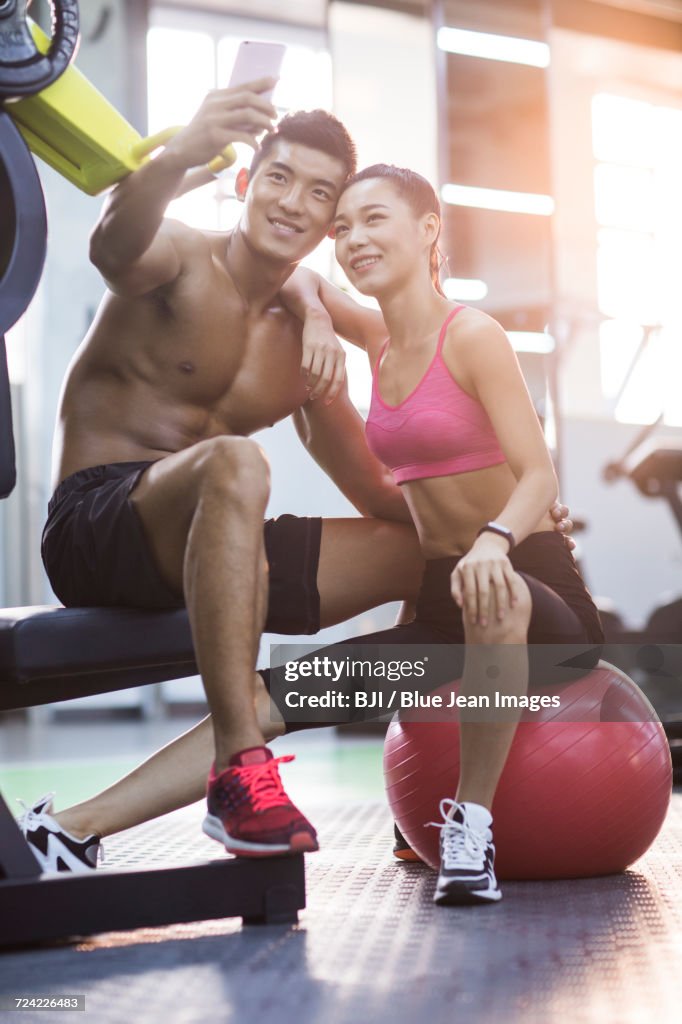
(298, 12)
(313, 12)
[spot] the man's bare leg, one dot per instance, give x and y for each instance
(363, 563)
(173, 777)
(201, 511)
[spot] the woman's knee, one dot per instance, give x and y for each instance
(512, 627)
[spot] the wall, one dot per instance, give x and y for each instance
(384, 85)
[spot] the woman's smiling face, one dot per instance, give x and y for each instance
(379, 240)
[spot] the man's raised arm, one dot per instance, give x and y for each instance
(131, 245)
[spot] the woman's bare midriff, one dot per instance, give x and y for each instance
(448, 511)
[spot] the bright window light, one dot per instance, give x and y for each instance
(465, 289)
(622, 130)
(359, 378)
(494, 47)
(306, 79)
(655, 384)
(531, 341)
(624, 197)
(668, 136)
(15, 346)
(627, 282)
(619, 341)
(498, 199)
(638, 208)
(174, 98)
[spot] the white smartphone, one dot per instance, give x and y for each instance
(257, 60)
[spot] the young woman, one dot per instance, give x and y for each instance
(451, 417)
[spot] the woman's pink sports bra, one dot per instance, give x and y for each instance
(437, 430)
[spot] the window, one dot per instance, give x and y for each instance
(638, 152)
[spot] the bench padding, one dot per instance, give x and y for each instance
(50, 653)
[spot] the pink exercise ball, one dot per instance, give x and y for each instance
(584, 791)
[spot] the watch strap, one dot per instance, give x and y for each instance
(500, 530)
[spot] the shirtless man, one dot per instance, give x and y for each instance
(160, 495)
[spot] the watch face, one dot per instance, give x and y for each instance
(500, 529)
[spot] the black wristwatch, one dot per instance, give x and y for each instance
(503, 531)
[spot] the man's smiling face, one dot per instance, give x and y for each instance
(290, 201)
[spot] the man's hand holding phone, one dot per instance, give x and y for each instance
(235, 114)
(239, 113)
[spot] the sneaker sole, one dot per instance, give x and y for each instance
(73, 865)
(408, 856)
(300, 842)
(461, 896)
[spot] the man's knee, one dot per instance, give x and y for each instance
(233, 467)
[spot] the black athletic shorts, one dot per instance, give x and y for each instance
(95, 552)
(562, 608)
(564, 634)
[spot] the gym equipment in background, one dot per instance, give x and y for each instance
(584, 792)
(654, 654)
(49, 654)
(26, 68)
(654, 465)
(74, 128)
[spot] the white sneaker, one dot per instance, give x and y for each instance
(467, 858)
(54, 849)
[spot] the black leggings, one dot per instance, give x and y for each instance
(564, 636)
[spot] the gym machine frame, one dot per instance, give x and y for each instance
(49, 653)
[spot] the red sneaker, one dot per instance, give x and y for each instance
(249, 812)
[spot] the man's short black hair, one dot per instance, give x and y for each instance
(316, 129)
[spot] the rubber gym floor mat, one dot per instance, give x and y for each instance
(371, 946)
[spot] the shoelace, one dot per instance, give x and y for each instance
(31, 818)
(458, 839)
(263, 782)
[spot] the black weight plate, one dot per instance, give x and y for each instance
(23, 69)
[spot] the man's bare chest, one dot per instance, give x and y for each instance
(243, 370)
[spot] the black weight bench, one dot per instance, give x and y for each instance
(50, 654)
